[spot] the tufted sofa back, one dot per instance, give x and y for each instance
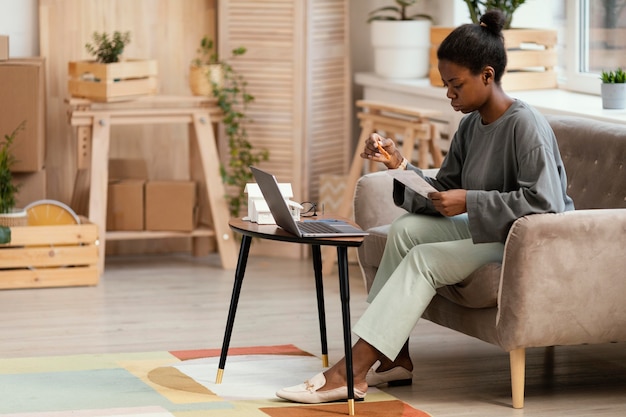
(594, 154)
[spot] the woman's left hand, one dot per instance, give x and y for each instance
(449, 203)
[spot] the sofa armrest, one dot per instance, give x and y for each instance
(563, 280)
(373, 199)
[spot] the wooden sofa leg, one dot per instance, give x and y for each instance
(518, 369)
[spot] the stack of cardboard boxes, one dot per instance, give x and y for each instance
(136, 203)
(22, 98)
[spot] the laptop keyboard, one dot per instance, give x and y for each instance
(316, 227)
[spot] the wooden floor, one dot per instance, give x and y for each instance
(179, 302)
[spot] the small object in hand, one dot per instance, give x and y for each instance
(382, 150)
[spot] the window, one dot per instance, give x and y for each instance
(596, 41)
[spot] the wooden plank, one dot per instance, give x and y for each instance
(49, 277)
(50, 256)
(515, 38)
(108, 73)
(521, 59)
(109, 91)
(401, 110)
(513, 81)
(53, 235)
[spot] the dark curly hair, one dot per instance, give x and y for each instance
(477, 46)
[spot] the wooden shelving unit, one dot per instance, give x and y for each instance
(93, 122)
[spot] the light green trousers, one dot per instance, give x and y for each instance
(422, 253)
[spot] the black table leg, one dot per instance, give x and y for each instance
(321, 310)
(344, 291)
(239, 273)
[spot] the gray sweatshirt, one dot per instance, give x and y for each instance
(510, 168)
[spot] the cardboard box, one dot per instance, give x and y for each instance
(125, 205)
(125, 196)
(4, 47)
(127, 169)
(22, 98)
(170, 205)
(32, 187)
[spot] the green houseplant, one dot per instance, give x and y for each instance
(401, 40)
(231, 93)
(397, 12)
(205, 69)
(613, 89)
(9, 215)
(108, 48)
(508, 7)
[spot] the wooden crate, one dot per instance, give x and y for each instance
(112, 82)
(531, 58)
(50, 256)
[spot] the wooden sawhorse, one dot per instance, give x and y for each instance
(411, 124)
(94, 121)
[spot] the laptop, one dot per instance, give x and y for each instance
(306, 228)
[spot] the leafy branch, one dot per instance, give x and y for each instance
(233, 99)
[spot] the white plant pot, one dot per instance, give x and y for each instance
(613, 96)
(401, 48)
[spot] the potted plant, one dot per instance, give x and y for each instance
(9, 215)
(230, 90)
(108, 49)
(401, 41)
(613, 89)
(205, 69)
(531, 52)
(109, 76)
(508, 7)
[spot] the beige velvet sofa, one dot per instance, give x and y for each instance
(563, 277)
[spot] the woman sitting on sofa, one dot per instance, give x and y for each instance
(503, 163)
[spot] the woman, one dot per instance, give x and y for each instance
(503, 164)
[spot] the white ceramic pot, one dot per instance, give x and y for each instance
(613, 95)
(401, 48)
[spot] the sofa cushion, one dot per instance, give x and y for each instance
(479, 290)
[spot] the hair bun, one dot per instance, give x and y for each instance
(493, 20)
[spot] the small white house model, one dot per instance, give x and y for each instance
(258, 210)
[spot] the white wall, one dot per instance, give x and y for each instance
(19, 19)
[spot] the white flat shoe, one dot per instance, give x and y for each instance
(394, 377)
(308, 392)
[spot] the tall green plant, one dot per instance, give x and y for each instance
(508, 7)
(7, 188)
(233, 99)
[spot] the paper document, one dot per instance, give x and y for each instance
(412, 180)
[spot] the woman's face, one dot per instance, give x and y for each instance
(467, 92)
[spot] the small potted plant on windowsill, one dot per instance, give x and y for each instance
(9, 215)
(110, 76)
(401, 41)
(613, 89)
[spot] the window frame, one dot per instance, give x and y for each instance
(576, 33)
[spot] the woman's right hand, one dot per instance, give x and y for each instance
(372, 151)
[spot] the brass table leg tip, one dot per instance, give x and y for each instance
(324, 361)
(218, 377)
(351, 407)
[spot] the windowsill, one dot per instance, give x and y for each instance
(554, 101)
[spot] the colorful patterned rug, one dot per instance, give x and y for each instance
(173, 384)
